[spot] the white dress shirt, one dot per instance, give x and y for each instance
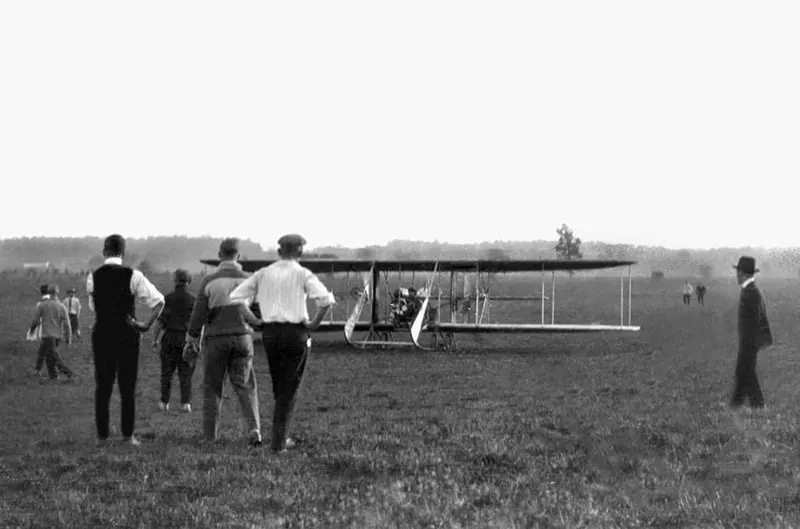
(141, 287)
(281, 290)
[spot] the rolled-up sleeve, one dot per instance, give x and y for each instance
(245, 293)
(317, 291)
(90, 290)
(145, 291)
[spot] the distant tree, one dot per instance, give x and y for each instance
(657, 275)
(495, 254)
(146, 267)
(569, 246)
(365, 254)
(705, 271)
(96, 262)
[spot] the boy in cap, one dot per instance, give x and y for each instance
(73, 305)
(52, 316)
(174, 322)
(754, 334)
(281, 290)
(228, 345)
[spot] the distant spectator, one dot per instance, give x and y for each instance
(52, 316)
(687, 293)
(35, 333)
(73, 305)
(701, 292)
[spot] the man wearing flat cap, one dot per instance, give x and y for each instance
(281, 290)
(754, 334)
(114, 289)
(227, 345)
(174, 322)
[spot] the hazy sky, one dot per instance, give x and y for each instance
(670, 123)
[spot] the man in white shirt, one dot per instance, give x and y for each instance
(73, 305)
(687, 293)
(114, 290)
(281, 290)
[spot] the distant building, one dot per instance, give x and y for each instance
(37, 266)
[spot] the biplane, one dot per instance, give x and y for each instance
(419, 313)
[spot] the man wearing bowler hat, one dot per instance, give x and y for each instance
(281, 290)
(754, 334)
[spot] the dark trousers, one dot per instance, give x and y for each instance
(171, 360)
(75, 324)
(231, 356)
(287, 346)
(700, 299)
(687, 299)
(747, 386)
(48, 354)
(116, 358)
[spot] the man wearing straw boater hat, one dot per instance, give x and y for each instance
(281, 290)
(754, 334)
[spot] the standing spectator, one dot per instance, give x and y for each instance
(687, 293)
(754, 334)
(35, 333)
(281, 290)
(701, 292)
(73, 305)
(52, 316)
(114, 289)
(174, 322)
(227, 347)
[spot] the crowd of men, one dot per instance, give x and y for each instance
(217, 326)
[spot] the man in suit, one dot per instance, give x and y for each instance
(113, 291)
(754, 334)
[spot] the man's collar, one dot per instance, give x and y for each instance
(748, 281)
(113, 261)
(229, 264)
(46, 296)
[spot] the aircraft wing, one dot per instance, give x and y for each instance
(319, 266)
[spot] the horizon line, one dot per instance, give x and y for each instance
(420, 241)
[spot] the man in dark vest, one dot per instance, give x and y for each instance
(174, 322)
(113, 292)
(281, 290)
(754, 334)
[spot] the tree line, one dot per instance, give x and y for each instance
(160, 254)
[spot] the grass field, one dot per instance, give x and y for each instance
(512, 431)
